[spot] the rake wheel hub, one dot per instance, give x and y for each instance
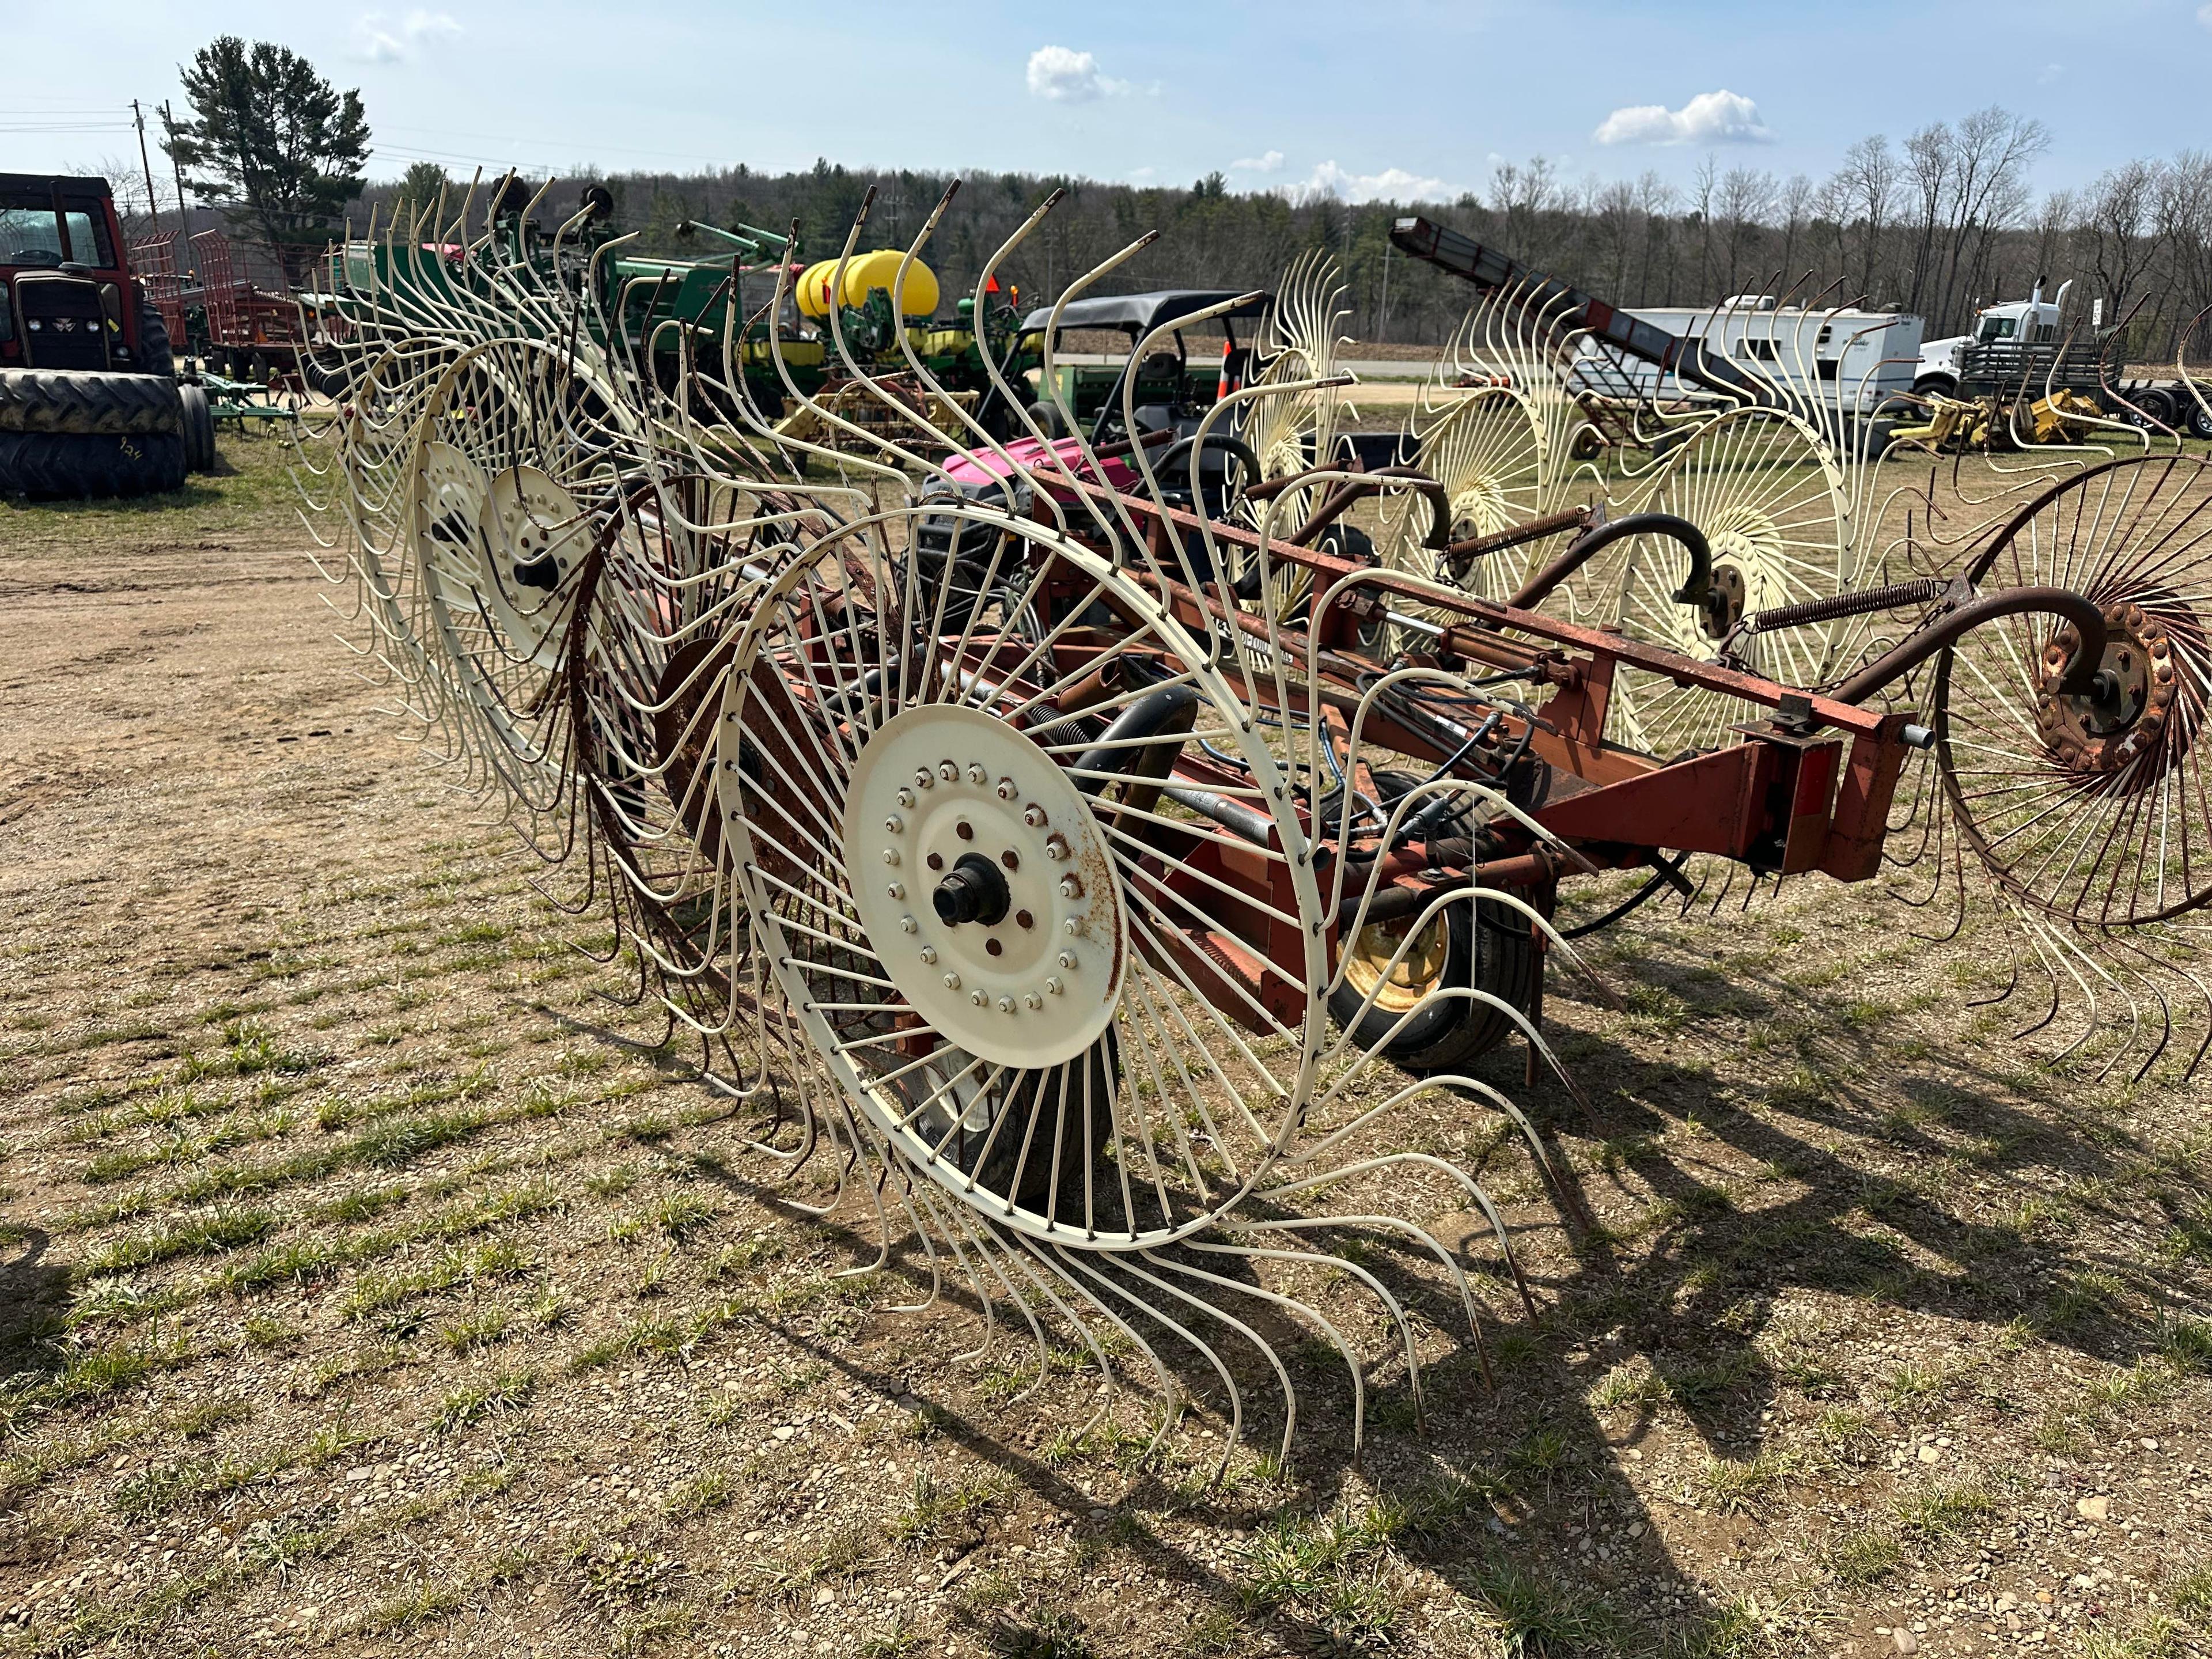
(984, 883)
(2123, 717)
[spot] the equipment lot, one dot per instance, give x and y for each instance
(384, 1285)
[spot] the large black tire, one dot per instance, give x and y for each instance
(80, 401)
(2199, 419)
(156, 354)
(1477, 944)
(72, 465)
(199, 428)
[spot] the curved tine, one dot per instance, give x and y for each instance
(986, 1237)
(1129, 399)
(1237, 399)
(1082, 1264)
(926, 1192)
(834, 310)
(1420, 1235)
(1274, 1359)
(1451, 1172)
(791, 387)
(859, 1144)
(1395, 1313)
(928, 1243)
(2181, 363)
(1022, 1252)
(1050, 1257)
(1047, 383)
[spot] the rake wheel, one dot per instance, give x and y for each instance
(1766, 490)
(997, 920)
(2092, 809)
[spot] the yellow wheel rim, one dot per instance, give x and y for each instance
(1403, 986)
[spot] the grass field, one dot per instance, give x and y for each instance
(376, 1279)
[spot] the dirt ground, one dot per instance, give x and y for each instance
(375, 1281)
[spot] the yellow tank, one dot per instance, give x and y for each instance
(863, 273)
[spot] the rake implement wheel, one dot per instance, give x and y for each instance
(511, 481)
(1487, 447)
(1766, 490)
(2092, 808)
(1009, 936)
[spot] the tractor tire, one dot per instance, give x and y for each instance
(199, 428)
(72, 465)
(156, 356)
(1048, 419)
(1477, 944)
(54, 400)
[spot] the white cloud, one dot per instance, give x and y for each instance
(1711, 117)
(1391, 185)
(1270, 162)
(1060, 75)
(2204, 14)
(2051, 72)
(380, 39)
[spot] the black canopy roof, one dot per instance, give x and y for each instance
(1143, 313)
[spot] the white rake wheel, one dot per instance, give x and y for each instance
(1766, 490)
(513, 479)
(992, 924)
(1488, 448)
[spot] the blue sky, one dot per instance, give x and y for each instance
(1367, 96)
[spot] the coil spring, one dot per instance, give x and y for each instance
(1924, 590)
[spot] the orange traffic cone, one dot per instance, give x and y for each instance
(1223, 388)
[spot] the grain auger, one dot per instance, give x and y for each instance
(1082, 860)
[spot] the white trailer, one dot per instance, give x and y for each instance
(1848, 361)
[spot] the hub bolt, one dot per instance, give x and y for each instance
(1006, 1005)
(1031, 999)
(977, 998)
(976, 773)
(1056, 848)
(895, 824)
(925, 779)
(1069, 888)
(1033, 816)
(1053, 985)
(908, 924)
(897, 890)
(949, 771)
(1007, 789)
(906, 797)
(953, 981)
(1068, 959)
(928, 951)
(890, 855)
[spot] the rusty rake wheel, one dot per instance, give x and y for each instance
(1766, 489)
(995, 916)
(2095, 809)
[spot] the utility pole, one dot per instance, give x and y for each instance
(1383, 325)
(153, 207)
(184, 218)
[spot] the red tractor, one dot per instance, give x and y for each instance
(89, 404)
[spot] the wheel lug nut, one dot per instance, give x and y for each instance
(1031, 999)
(906, 797)
(897, 890)
(977, 998)
(1006, 1005)
(925, 779)
(1072, 926)
(1033, 816)
(1067, 958)
(1006, 789)
(895, 824)
(1070, 888)
(890, 855)
(1053, 985)
(948, 771)
(908, 924)
(953, 981)
(928, 951)
(1055, 849)
(976, 773)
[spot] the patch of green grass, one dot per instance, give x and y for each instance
(1531, 1612)
(1946, 1511)
(402, 1140)
(225, 1230)
(1865, 1556)
(508, 1392)
(1736, 1486)
(480, 1330)
(935, 1507)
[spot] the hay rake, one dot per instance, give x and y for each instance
(1087, 871)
